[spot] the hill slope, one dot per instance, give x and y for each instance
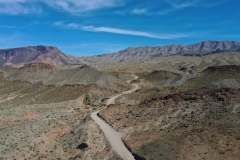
(49, 75)
(216, 77)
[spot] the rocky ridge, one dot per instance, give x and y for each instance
(143, 53)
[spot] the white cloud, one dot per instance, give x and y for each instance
(73, 25)
(178, 5)
(131, 32)
(9, 27)
(119, 31)
(165, 7)
(69, 26)
(186, 4)
(138, 11)
(85, 7)
(58, 23)
(81, 6)
(14, 7)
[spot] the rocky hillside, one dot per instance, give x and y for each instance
(18, 57)
(143, 53)
(36, 73)
(215, 77)
(164, 123)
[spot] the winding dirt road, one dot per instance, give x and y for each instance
(113, 136)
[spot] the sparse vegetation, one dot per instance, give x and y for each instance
(184, 103)
(43, 117)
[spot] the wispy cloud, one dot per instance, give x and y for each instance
(165, 7)
(81, 6)
(9, 27)
(85, 7)
(161, 7)
(179, 4)
(64, 25)
(140, 11)
(120, 31)
(15, 7)
(174, 5)
(73, 25)
(58, 23)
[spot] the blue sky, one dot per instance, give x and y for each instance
(92, 27)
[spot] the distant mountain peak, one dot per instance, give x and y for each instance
(18, 57)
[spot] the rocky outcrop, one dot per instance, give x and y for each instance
(223, 69)
(38, 66)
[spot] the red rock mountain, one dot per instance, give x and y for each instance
(18, 57)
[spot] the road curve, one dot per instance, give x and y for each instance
(113, 136)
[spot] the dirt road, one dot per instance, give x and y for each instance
(113, 136)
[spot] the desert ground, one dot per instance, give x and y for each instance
(173, 105)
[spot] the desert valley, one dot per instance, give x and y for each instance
(145, 103)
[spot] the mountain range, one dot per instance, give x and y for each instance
(18, 57)
(143, 53)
